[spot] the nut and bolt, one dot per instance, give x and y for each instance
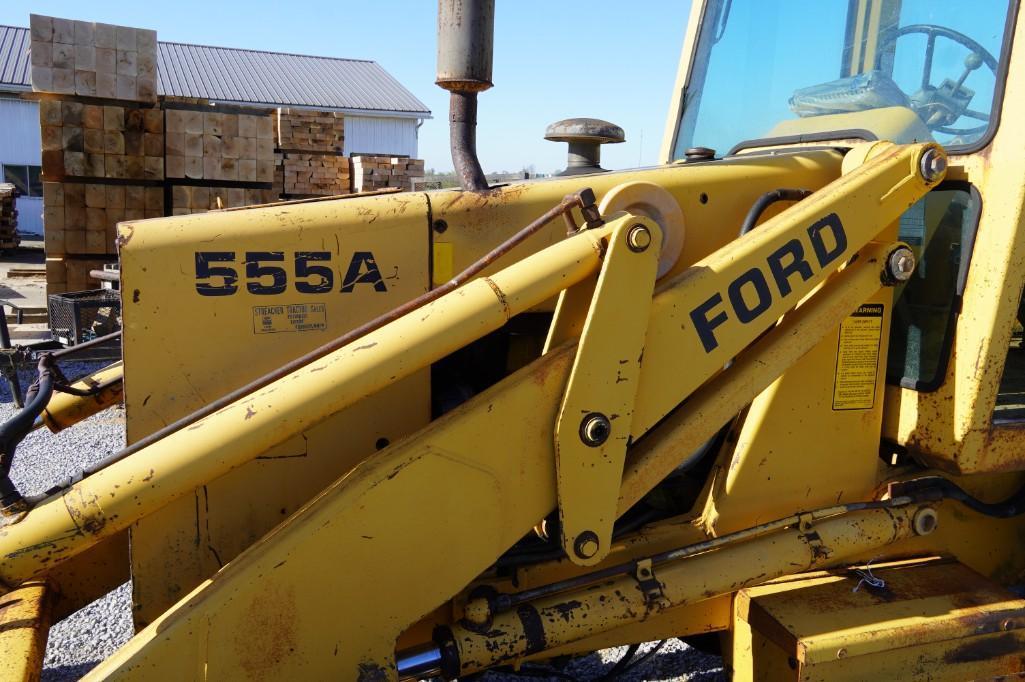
(638, 238)
(900, 264)
(586, 544)
(925, 521)
(595, 429)
(932, 164)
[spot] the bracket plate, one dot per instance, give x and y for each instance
(593, 427)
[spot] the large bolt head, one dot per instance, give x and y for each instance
(595, 429)
(933, 164)
(638, 238)
(900, 264)
(586, 544)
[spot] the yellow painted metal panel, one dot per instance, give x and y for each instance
(24, 624)
(928, 617)
(246, 334)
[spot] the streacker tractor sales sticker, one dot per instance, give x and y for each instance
(857, 359)
(300, 317)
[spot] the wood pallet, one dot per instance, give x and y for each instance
(70, 273)
(81, 218)
(84, 140)
(370, 173)
(8, 217)
(210, 145)
(189, 199)
(315, 174)
(310, 131)
(93, 59)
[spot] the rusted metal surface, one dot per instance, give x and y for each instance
(466, 31)
(695, 574)
(24, 625)
(462, 119)
(911, 620)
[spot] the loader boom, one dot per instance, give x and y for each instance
(434, 434)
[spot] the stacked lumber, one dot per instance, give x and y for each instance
(315, 174)
(8, 217)
(81, 218)
(309, 158)
(93, 141)
(406, 172)
(310, 131)
(371, 173)
(209, 145)
(93, 59)
(188, 199)
(67, 273)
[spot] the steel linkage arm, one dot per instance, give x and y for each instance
(593, 428)
(336, 584)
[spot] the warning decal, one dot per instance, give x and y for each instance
(857, 359)
(299, 317)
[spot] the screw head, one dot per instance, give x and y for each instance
(586, 544)
(595, 429)
(638, 238)
(932, 164)
(900, 264)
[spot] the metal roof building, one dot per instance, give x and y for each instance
(381, 116)
(256, 77)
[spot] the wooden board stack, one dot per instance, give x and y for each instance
(209, 145)
(406, 172)
(81, 218)
(187, 199)
(72, 274)
(310, 161)
(310, 131)
(8, 217)
(98, 141)
(371, 173)
(93, 59)
(89, 152)
(315, 174)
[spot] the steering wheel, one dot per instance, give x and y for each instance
(943, 105)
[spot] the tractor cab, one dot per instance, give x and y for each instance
(904, 71)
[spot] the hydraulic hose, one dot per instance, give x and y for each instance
(768, 199)
(14, 430)
(934, 488)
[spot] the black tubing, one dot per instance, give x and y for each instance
(935, 488)
(766, 200)
(14, 430)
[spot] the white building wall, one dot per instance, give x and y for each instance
(20, 144)
(380, 135)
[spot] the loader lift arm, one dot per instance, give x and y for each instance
(492, 458)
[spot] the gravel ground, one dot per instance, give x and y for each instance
(80, 641)
(41, 461)
(674, 660)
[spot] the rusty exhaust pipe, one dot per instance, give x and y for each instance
(466, 36)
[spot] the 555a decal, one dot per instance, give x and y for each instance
(268, 273)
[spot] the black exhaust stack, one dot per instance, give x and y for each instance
(466, 35)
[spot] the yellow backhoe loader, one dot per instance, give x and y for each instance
(766, 396)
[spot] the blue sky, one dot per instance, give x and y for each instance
(553, 60)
